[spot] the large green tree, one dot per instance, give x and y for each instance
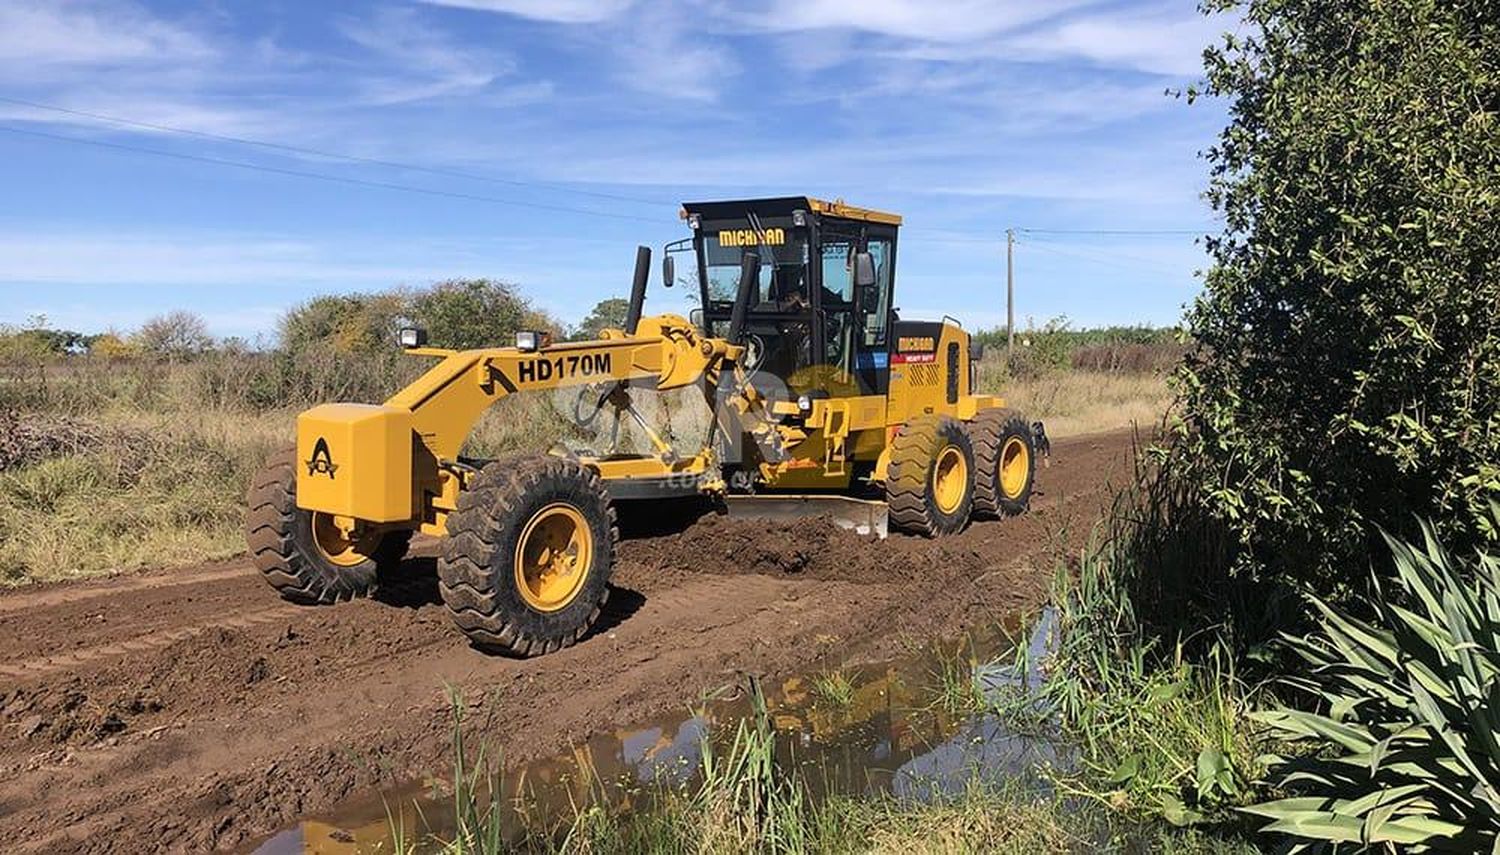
(1349, 368)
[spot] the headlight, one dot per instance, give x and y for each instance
(412, 337)
(695, 221)
(804, 403)
(528, 340)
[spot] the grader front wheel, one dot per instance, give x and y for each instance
(930, 485)
(525, 567)
(305, 555)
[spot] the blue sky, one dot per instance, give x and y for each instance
(582, 123)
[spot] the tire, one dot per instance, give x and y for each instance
(1000, 436)
(284, 543)
(923, 455)
(535, 505)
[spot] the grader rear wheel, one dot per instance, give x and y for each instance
(1003, 448)
(525, 567)
(305, 556)
(930, 484)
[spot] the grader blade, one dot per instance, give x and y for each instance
(859, 515)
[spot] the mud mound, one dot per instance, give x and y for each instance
(813, 548)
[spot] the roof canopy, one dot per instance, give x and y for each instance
(784, 206)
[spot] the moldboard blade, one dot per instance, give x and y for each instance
(861, 515)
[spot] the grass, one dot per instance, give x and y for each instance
(955, 691)
(833, 689)
(1074, 402)
(749, 796)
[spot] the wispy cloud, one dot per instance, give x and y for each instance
(1167, 39)
(418, 62)
(559, 11)
(42, 35)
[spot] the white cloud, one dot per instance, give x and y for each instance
(40, 34)
(1166, 40)
(420, 62)
(658, 55)
(559, 11)
(938, 20)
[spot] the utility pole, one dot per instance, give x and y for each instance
(1010, 292)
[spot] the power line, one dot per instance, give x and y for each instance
(1136, 232)
(1119, 260)
(322, 176)
(332, 155)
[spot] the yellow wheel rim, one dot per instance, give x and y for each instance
(553, 557)
(336, 547)
(1015, 462)
(950, 479)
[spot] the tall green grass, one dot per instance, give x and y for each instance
(751, 796)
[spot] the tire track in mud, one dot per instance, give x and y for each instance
(44, 665)
(66, 593)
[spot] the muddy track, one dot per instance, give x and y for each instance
(191, 710)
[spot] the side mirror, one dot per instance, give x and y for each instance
(668, 271)
(864, 270)
(696, 317)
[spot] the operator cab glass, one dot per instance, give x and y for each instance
(808, 325)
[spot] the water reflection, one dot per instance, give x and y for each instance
(892, 736)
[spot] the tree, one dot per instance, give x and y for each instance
(1348, 371)
(175, 334)
(469, 313)
(346, 324)
(606, 313)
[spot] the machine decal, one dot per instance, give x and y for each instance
(563, 367)
(912, 358)
(321, 462)
(749, 237)
(914, 349)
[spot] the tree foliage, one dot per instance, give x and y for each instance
(350, 324)
(606, 313)
(469, 313)
(1348, 372)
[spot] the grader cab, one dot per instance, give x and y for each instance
(817, 391)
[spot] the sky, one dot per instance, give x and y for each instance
(234, 158)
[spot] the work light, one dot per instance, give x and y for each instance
(410, 337)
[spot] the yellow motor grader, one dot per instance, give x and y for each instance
(818, 392)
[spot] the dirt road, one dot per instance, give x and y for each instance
(191, 709)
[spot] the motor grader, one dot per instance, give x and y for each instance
(820, 396)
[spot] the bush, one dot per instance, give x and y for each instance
(349, 324)
(471, 313)
(1349, 367)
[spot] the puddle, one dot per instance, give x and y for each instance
(890, 733)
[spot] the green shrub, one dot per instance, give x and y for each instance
(1407, 745)
(1348, 371)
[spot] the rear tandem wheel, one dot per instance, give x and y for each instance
(930, 483)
